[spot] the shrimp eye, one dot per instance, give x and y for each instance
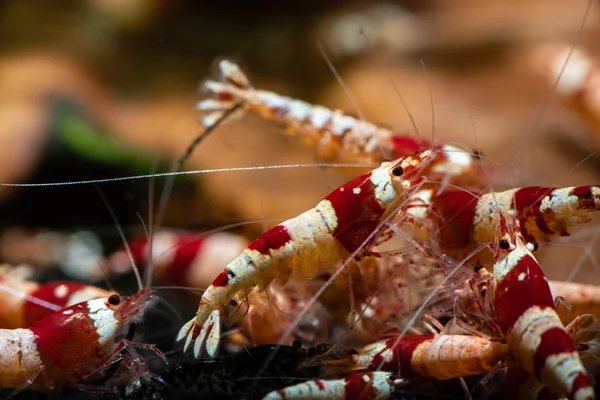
(535, 245)
(504, 245)
(114, 300)
(397, 171)
(478, 267)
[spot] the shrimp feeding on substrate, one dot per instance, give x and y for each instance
(344, 224)
(527, 318)
(71, 344)
(336, 136)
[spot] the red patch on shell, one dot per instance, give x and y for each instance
(586, 200)
(225, 96)
(457, 210)
(514, 296)
(358, 215)
(402, 356)
(406, 145)
(527, 202)
(272, 239)
(357, 388)
(186, 251)
(222, 280)
(581, 382)
(33, 312)
(139, 250)
(553, 341)
(68, 339)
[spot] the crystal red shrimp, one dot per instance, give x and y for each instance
(526, 316)
(467, 219)
(25, 302)
(71, 344)
(436, 356)
(336, 136)
(361, 386)
(181, 258)
(315, 241)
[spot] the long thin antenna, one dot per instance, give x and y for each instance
(338, 78)
(136, 272)
(389, 75)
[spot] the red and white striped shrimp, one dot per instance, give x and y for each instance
(71, 344)
(436, 356)
(336, 136)
(466, 220)
(526, 315)
(361, 386)
(181, 258)
(315, 241)
(25, 302)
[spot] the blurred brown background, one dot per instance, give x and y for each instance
(134, 68)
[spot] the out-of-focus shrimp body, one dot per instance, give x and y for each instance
(26, 302)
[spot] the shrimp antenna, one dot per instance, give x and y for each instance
(389, 75)
(113, 216)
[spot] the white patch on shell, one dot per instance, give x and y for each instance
(273, 101)
(457, 156)
(356, 190)
(104, 321)
(61, 291)
(299, 110)
(574, 73)
(559, 200)
(522, 276)
(87, 293)
(527, 333)
(560, 371)
(320, 116)
(20, 357)
(325, 208)
(384, 189)
(342, 123)
(505, 264)
(422, 202)
(67, 312)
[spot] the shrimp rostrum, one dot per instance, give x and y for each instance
(72, 344)
(347, 223)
